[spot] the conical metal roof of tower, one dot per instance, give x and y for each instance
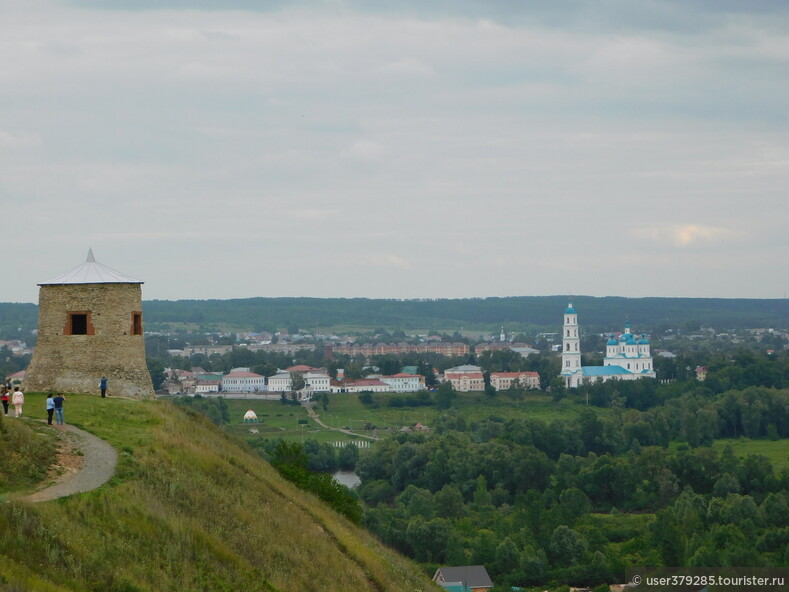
(92, 272)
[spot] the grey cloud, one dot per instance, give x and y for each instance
(605, 15)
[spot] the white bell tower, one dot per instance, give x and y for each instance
(571, 342)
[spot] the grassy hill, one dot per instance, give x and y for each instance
(189, 509)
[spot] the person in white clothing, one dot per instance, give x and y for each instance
(18, 399)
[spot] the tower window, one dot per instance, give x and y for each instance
(78, 323)
(136, 323)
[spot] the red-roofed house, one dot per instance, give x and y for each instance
(16, 377)
(465, 378)
(301, 368)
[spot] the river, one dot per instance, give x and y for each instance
(347, 478)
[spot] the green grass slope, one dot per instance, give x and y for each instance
(27, 451)
(189, 509)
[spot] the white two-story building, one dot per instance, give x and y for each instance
(241, 380)
(280, 383)
(404, 383)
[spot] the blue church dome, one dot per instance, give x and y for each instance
(612, 340)
(570, 309)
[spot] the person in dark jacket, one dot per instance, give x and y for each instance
(59, 408)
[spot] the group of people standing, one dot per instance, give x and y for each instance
(55, 405)
(15, 397)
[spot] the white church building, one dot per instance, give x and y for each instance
(626, 358)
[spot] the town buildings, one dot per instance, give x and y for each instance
(368, 350)
(279, 348)
(206, 350)
(468, 378)
(493, 346)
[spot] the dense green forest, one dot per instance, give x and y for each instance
(637, 479)
(517, 313)
(18, 321)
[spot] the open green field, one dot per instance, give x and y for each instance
(777, 451)
(276, 420)
(346, 410)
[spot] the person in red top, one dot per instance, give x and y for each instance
(5, 397)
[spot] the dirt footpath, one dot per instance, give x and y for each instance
(78, 472)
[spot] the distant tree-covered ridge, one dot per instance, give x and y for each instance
(608, 313)
(545, 311)
(17, 320)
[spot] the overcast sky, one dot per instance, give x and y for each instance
(397, 149)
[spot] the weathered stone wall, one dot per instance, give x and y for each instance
(76, 363)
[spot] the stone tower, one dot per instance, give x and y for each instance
(89, 326)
